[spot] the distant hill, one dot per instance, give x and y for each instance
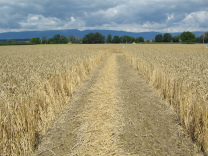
(81, 34)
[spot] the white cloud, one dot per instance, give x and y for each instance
(195, 21)
(131, 15)
(196, 17)
(170, 16)
(39, 22)
(73, 19)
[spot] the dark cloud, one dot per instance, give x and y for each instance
(151, 15)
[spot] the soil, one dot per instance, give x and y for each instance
(116, 112)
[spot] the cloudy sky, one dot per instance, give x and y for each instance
(126, 15)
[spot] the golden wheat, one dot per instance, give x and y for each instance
(36, 83)
(180, 73)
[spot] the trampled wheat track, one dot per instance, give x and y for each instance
(116, 113)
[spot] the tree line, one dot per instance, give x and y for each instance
(57, 39)
(91, 38)
(94, 38)
(185, 37)
(15, 42)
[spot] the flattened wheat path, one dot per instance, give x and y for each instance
(116, 113)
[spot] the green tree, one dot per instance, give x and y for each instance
(9, 41)
(98, 38)
(140, 39)
(50, 41)
(176, 38)
(35, 40)
(63, 39)
(93, 38)
(44, 39)
(132, 39)
(85, 39)
(159, 38)
(167, 37)
(90, 38)
(116, 39)
(203, 38)
(188, 37)
(206, 37)
(72, 39)
(109, 38)
(121, 39)
(56, 38)
(127, 39)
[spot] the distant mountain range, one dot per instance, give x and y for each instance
(81, 34)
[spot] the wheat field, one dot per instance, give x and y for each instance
(37, 83)
(180, 74)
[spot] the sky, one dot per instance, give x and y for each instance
(126, 15)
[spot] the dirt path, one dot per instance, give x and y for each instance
(116, 113)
